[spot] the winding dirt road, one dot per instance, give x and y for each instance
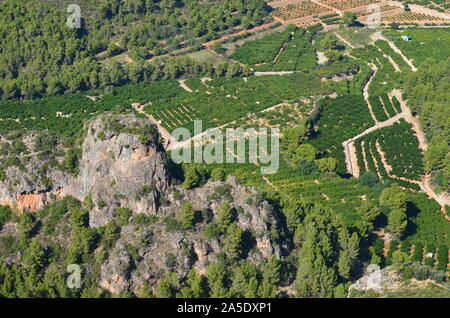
(167, 137)
(426, 183)
(184, 86)
(344, 40)
(379, 36)
(366, 90)
(275, 73)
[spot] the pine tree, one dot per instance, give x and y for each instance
(167, 286)
(399, 260)
(191, 178)
(314, 277)
(344, 265)
(350, 244)
(244, 280)
(187, 215)
(5, 214)
(267, 290)
(321, 233)
(349, 18)
(369, 211)
(26, 224)
(340, 291)
(79, 218)
(397, 222)
(435, 154)
(34, 257)
(224, 217)
(271, 270)
(233, 241)
(123, 215)
(195, 286)
(393, 197)
(145, 291)
(216, 274)
(218, 174)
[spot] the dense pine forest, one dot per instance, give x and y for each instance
(41, 56)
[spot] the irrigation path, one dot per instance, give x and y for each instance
(379, 36)
(426, 183)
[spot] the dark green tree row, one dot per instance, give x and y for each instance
(429, 96)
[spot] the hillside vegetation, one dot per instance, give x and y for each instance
(88, 177)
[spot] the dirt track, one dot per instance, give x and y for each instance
(379, 36)
(184, 86)
(255, 29)
(167, 137)
(425, 184)
(344, 40)
(366, 91)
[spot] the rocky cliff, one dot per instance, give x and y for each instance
(121, 164)
(120, 157)
(120, 168)
(168, 250)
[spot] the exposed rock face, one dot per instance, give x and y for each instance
(258, 217)
(31, 201)
(21, 191)
(178, 251)
(116, 168)
(122, 165)
(117, 277)
(162, 252)
(112, 170)
(376, 279)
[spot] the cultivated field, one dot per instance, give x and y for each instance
(426, 43)
(299, 10)
(342, 5)
(412, 17)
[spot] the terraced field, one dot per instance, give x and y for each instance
(392, 153)
(347, 115)
(220, 101)
(425, 43)
(263, 50)
(299, 10)
(412, 17)
(382, 8)
(342, 195)
(298, 54)
(347, 4)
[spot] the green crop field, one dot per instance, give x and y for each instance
(425, 43)
(289, 50)
(221, 101)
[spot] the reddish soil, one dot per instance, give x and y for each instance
(253, 30)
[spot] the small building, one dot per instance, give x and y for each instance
(407, 38)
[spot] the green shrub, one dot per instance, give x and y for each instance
(218, 174)
(186, 215)
(392, 248)
(142, 219)
(421, 272)
(123, 215)
(5, 215)
(212, 231)
(146, 189)
(3, 175)
(172, 225)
